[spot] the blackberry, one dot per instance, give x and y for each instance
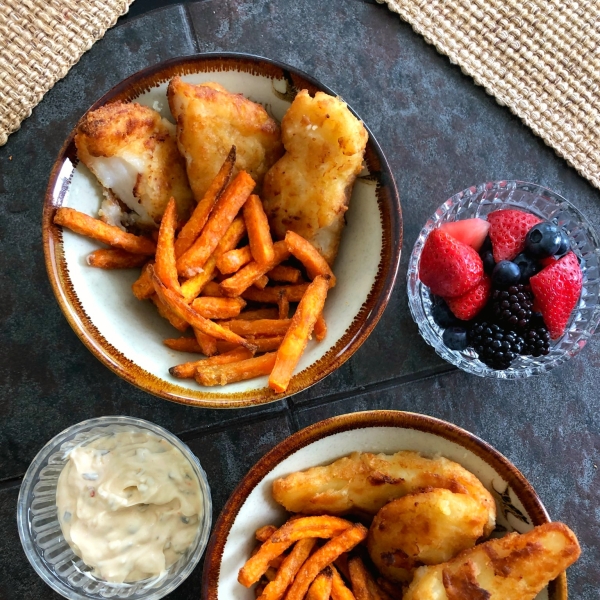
(512, 308)
(495, 346)
(537, 340)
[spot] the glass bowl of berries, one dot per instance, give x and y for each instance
(504, 280)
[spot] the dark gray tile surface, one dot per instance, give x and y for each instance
(440, 133)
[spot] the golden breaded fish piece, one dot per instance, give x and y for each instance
(210, 120)
(363, 482)
(307, 191)
(426, 528)
(132, 151)
(515, 567)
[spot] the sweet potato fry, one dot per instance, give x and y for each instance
(289, 567)
(207, 343)
(103, 232)
(297, 335)
(234, 260)
(322, 557)
(268, 327)
(226, 208)
(283, 305)
(212, 289)
(239, 371)
(178, 305)
(166, 313)
(320, 329)
(259, 234)
(259, 313)
(320, 588)
(271, 295)
(218, 308)
(188, 370)
(341, 562)
(191, 230)
(265, 532)
(245, 277)
(115, 258)
(164, 266)
(184, 344)
(142, 287)
(263, 344)
(285, 274)
(309, 256)
(261, 282)
(358, 578)
(339, 591)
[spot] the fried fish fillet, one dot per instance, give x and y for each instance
(428, 528)
(133, 153)
(307, 191)
(210, 120)
(515, 567)
(364, 482)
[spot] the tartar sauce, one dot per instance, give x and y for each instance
(129, 504)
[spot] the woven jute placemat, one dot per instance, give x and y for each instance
(40, 40)
(541, 58)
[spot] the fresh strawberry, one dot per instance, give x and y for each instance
(508, 229)
(469, 305)
(471, 232)
(448, 267)
(556, 289)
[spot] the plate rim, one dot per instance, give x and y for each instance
(361, 420)
(390, 212)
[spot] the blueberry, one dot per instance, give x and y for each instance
(486, 246)
(565, 245)
(441, 314)
(505, 274)
(543, 239)
(488, 261)
(528, 266)
(455, 338)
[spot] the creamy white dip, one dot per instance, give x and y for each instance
(129, 504)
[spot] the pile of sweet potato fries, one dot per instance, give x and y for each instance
(181, 267)
(307, 557)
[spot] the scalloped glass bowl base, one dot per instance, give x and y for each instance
(479, 201)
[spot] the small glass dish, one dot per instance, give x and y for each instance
(479, 201)
(41, 535)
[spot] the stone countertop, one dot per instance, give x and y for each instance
(440, 132)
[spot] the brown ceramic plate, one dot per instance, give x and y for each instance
(251, 505)
(126, 335)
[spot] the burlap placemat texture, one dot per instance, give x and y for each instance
(40, 40)
(541, 58)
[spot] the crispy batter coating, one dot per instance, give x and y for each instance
(515, 567)
(428, 528)
(307, 191)
(133, 153)
(364, 482)
(210, 120)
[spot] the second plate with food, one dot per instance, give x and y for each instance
(252, 506)
(127, 335)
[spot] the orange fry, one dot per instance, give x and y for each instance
(218, 308)
(164, 266)
(265, 532)
(212, 289)
(238, 371)
(320, 329)
(259, 313)
(184, 344)
(285, 274)
(245, 277)
(268, 327)
(271, 295)
(142, 287)
(188, 370)
(263, 344)
(166, 313)
(297, 335)
(191, 230)
(324, 556)
(259, 234)
(358, 578)
(226, 208)
(320, 588)
(309, 256)
(339, 591)
(98, 230)
(289, 567)
(115, 258)
(234, 260)
(283, 304)
(185, 312)
(318, 527)
(261, 282)
(207, 343)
